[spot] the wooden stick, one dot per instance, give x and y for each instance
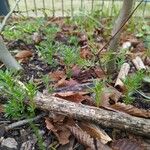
(122, 75)
(23, 122)
(138, 63)
(103, 117)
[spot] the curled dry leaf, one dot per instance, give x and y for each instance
(63, 82)
(57, 75)
(61, 37)
(61, 132)
(90, 73)
(72, 96)
(109, 95)
(75, 71)
(126, 144)
(132, 110)
(95, 132)
(85, 52)
(85, 139)
(23, 54)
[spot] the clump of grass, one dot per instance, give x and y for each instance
(16, 92)
(22, 29)
(98, 90)
(47, 82)
(132, 83)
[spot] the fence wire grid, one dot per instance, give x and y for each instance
(63, 8)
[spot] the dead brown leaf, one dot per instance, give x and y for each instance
(95, 132)
(109, 95)
(85, 52)
(61, 37)
(24, 54)
(57, 75)
(99, 72)
(131, 110)
(49, 125)
(77, 97)
(75, 71)
(61, 132)
(85, 139)
(63, 82)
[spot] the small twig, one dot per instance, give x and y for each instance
(23, 122)
(7, 16)
(98, 53)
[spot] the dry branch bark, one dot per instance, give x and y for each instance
(103, 117)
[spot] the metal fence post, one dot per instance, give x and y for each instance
(4, 7)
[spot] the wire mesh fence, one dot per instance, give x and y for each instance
(73, 7)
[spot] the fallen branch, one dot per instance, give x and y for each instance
(103, 117)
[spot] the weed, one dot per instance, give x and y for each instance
(73, 40)
(47, 50)
(22, 29)
(132, 83)
(39, 137)
(97, 90)
(47, 82)
(16, 92)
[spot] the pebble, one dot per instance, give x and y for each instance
(28, 145)
(9, 143)
(126, 45)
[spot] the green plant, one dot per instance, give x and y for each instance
(143, 29)
(22, 29)
(39, 137)
(73, 40)
(47, 50)
(132, 83)
(47, 82)
(10, 88)
(16, 92)
(98, 90)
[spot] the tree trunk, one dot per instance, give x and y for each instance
(7, 58)
(124, 13)
(103, 117)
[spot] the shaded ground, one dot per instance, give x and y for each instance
(57, 53)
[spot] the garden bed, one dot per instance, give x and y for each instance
(59, 59)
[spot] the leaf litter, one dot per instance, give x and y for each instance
(70, 78)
